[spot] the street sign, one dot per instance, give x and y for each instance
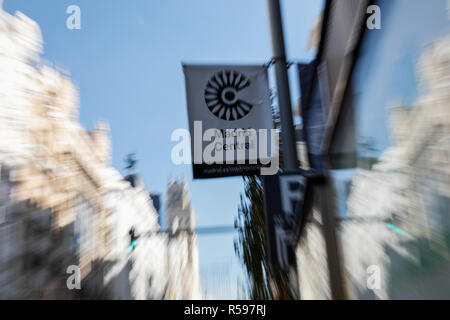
(227, 108)
(284, 196)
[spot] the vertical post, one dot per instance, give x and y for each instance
(332, 247)
(284, 100)
(284, 96)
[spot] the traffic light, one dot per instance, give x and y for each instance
(133, 239)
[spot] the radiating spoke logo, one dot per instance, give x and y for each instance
(222, 95)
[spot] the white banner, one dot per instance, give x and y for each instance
(229, 109)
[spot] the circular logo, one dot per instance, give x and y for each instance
(222, 95)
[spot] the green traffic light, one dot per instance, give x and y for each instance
(132, 245)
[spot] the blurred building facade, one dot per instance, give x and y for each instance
(52, 211)
(133, 272)
(183, 264)
(383, 144)
(331, 34)
(164, 264)
(61, 202)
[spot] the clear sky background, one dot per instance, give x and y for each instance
(126, 63)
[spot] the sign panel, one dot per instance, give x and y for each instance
(227, 108)
(314, 114)
(283, 196)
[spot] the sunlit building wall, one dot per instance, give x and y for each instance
(182, 244)
(52, 212)
(139, 272)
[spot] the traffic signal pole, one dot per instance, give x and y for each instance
(290, 155)
(284, 101)
(283, 93)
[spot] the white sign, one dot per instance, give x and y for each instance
(284, 197)
(292, 188)
(231, 106)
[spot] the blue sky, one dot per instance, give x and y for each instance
(126, 63)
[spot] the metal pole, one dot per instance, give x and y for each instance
(284, 96)
(284, 101)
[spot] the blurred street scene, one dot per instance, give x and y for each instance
(378, 110)
(375, 108)
(372, 133)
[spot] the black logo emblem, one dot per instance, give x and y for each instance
(222, 95)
